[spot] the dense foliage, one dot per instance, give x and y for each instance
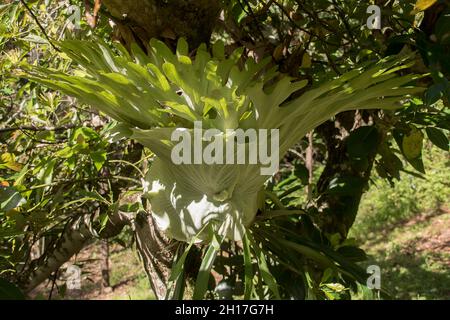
(67, 170)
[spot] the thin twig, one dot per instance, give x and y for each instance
(279, 213)
(39, 25)
(332, 63)
(38, 129)
(251, 13)
(296, 25)
(310, 163)
(55, 276)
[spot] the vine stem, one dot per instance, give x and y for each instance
(39, 25)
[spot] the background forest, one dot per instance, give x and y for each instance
(365, 188)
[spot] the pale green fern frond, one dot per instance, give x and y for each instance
(153, 95)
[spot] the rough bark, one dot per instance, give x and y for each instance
(138, 21)
(104, 252)
(338, 211)
(154, 249)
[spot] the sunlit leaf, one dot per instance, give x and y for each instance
(422, 5)
(413, 144)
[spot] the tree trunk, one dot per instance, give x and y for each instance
(154, 249)
(104, 248)
(76, 236)
(338, 211)
(138, 21)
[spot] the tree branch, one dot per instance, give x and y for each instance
(37, 129)
(76, 236)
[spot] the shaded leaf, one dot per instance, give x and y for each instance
(10, 198)
(201, 284)
(438, 138)
(9, 291)
(362, 142)
(99, 158)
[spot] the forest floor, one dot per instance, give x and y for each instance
(127, 279)
(413, 254)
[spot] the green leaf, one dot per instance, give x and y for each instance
(302, 173)
(238, 13)
(20, 176)
(309, 252)
(201, 284)
(10, 198)
(347, 185)
(438, 138)
(34, 39)
(45, 174)
(99, 158)
(178, 291)
(10, 233)
(422, 5)
(248, 268)
(362, 142)
(179, 266)
(417, 163)
(412, 144)
(182, 47)
(352, 253)
(95, 196)
(306, 61)
(86, 133)
(327, 274)
(65, 153)
(434, 93)
(219, 50)
(9, 291)
(8, 160)
(264, 268)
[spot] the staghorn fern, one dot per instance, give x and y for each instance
(153, 95)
